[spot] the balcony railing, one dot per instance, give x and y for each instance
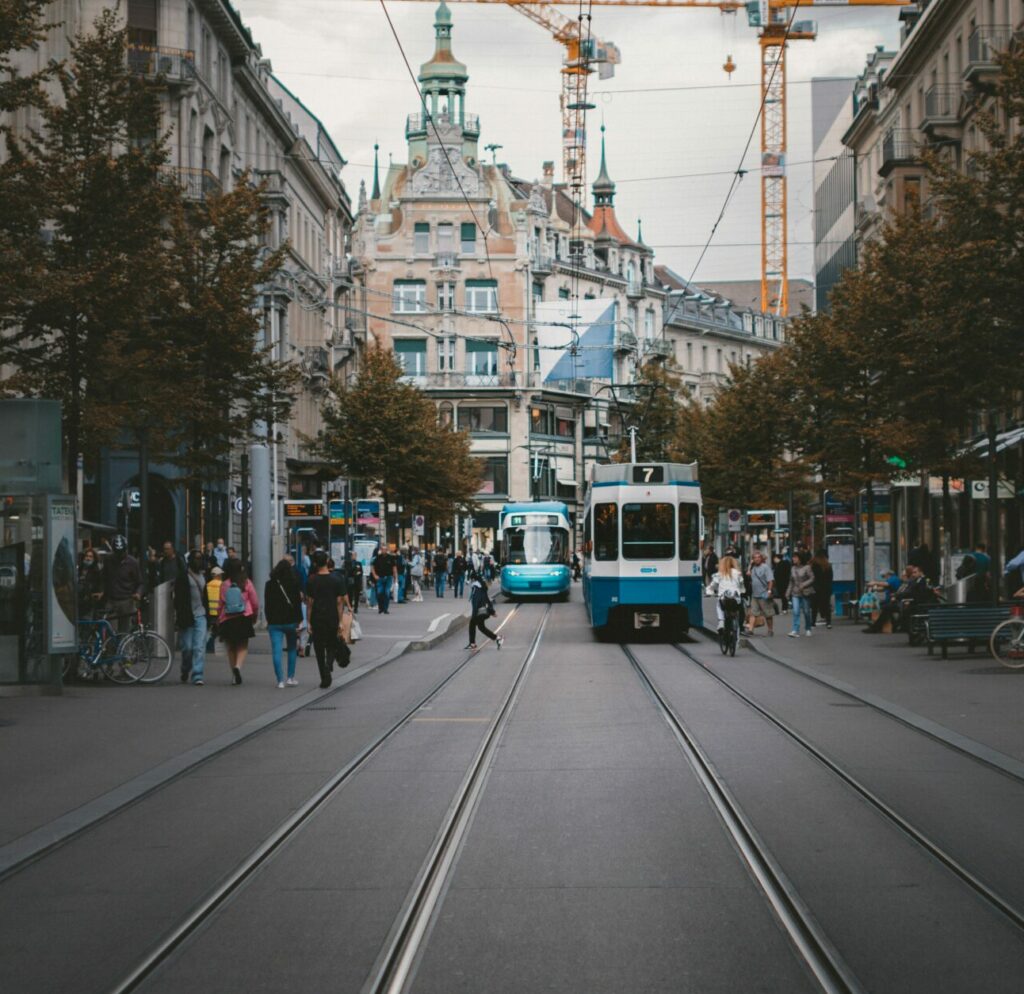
(196, 184)
(658, 348)
(627, 342)
(540, 262)
(634, 288)
(446, 260)
(175, 64)
(941, 104)
(460, 380)
(984, 45)
(416, 123)
(899, 147)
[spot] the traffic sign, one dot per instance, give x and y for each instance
(419, 525)
(734, 518)
(980, 489)
(238, 505)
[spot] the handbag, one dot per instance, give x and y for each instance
(357, 631)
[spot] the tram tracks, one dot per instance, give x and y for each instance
(810, 941)
(406, 936)
(808, 938)
(41, 842)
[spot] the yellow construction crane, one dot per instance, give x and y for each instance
(777, 26)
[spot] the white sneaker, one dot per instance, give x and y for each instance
(807, 634)
(280, 686)
(498, 641)
(793, 635)
(291, 682)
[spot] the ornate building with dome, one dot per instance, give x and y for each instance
(524, 316)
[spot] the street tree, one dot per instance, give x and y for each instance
(654, 409)
(98, 243)
(385, 433)
(228, 382)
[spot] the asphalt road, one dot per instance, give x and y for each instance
(593, 860)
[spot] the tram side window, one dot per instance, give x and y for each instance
(648, 531)
(606, 532)
(689, 532)
(587, 544)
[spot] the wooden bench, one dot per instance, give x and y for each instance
(970, 623)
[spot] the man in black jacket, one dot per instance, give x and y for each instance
(122, 584)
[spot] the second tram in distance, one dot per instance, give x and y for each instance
(534, 550)
(641, 550)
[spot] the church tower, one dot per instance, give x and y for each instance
(443, 87)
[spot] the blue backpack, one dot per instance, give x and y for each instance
(234, 601)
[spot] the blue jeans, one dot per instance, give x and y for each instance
(192, 642)
(383, 594)
(801, 609)
(278, 635)
(458, 584)
(439, 584)
(401, 588)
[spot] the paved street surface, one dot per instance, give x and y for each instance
(523, 820)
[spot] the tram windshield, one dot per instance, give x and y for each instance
(536, 544)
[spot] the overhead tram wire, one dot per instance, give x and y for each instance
(427, 117)
(739, 172)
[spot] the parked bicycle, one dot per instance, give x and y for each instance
(136, 656)
(1007, 641)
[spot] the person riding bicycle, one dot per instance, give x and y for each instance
(727, 587)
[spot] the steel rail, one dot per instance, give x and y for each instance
(999, 763)
(252, 863)
(62, 830)
(824, 961)
(392, 970)
(1000, 904)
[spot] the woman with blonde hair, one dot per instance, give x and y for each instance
(726, 582)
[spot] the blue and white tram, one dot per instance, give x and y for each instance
(641, 549)
(534, 549)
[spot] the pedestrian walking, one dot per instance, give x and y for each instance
(90, 586)
(459, 567)
(354, 580)
(481, 608)
(782, 568)
(708, 564)
(800, 592)
(821, 603)
(213, 602)
(416, 574)
(282, 606)
(191, 610)
(440, 572)
(220, 553)
(400, 570)
(239, 608)
(762, 601)
(325, 600)
(383, 575)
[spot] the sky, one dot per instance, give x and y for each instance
(676, 125)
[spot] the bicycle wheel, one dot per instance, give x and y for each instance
(1007, 643)
(120, 665)
(723, 636)
(155, 651)
(734, 637)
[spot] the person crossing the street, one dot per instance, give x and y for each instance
(481, 608)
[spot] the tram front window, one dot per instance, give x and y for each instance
(648, 531)
(534, 545)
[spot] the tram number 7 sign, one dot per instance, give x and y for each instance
(648, 474)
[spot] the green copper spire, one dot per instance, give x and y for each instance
(604, 188)
(376, 177)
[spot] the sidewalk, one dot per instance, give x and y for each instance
(60, 753)
(970, 694)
